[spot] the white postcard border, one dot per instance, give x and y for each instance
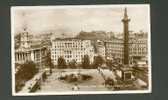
(80, 92)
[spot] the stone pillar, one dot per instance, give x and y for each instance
(32, 55)
(26, 56)
(22, 57)
(29, 55)
(18, 56)
(125, 21)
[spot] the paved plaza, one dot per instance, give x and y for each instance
(53, 84)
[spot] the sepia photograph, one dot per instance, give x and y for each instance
(81, 49)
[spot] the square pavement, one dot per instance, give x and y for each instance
(53, 84)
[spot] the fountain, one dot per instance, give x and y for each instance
(75, 77)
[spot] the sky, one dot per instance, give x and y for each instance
(73, 19)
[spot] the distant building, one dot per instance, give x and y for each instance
(138, 48)
(29, 52)
(100, 48)
(127, 47)
(71, 49)
(25, 39)
(36, 54)
(114, 49)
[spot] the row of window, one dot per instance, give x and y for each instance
(64, 46)
(68, 56)
(71, 43)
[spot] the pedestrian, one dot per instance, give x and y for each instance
(75, 88)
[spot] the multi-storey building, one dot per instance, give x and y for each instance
(100, 48)
(71, 49)
(137, 48)
(114, 49)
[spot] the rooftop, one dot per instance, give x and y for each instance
(33, 47)
(74, 39)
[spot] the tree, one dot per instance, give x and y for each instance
(98, 61)
(109, 64)
(27, 71)
(72, 64)
(48, 61)
(86, 62)
(61, 63)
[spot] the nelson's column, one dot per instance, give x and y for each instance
(126, 69)
(125, 21)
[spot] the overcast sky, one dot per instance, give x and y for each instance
(74, 19)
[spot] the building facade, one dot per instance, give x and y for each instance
(100, 48)
(71, 49)
(130, 47)
(138, 48)
(29, 52)
(37, 55)
(114, 49)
